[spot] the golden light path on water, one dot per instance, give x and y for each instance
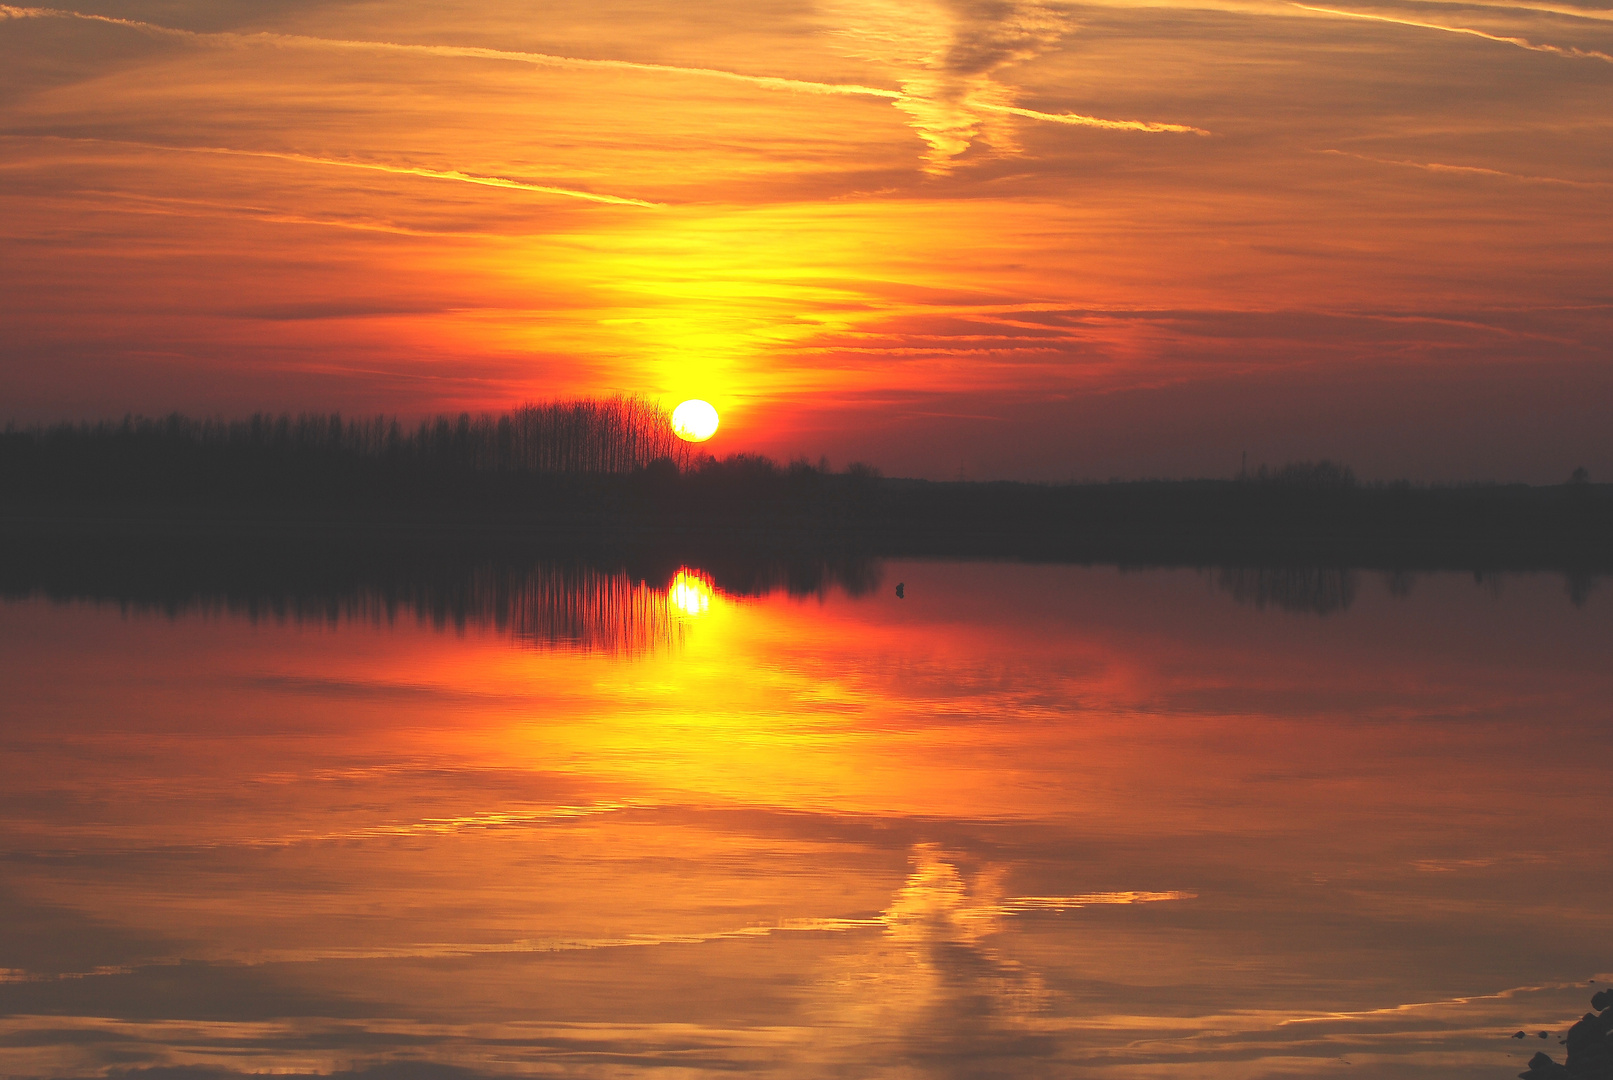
(1025, 820)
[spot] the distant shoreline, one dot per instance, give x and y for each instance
(597, 475)
(1145, 523)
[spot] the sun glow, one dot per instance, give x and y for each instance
(694, 421)
(689, 595)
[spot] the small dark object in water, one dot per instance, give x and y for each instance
(901, 590)
(1541, 1067)
(1590, 1047)
(1519, 1035)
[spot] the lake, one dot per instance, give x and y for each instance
(1022, 820)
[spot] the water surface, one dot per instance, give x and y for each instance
(1027, 820)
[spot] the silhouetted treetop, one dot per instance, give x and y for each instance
(1307, 474)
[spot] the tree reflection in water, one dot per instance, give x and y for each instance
(1318, 589)
(623, 603)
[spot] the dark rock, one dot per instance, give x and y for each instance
(1542, 1067)
(1589, 1044)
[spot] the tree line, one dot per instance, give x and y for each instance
(583, 436)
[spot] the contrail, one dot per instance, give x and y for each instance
(1550, 9)
(1522, 43)
(372, 166)
(462, 52)
(174, 207)
(769, 82)
(434, 174)
(1435, 166)
(1091, 121)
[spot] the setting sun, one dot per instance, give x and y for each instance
(694, 421)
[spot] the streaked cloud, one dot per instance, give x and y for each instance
(956, 82)
(1093, 121)
(950, 57)
(1522, 43)
(1475, 170)
(458, 52)
(376, 166)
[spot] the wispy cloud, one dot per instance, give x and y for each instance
(20, 975)
(1017, 904)
(946, 67)
(948, 56)
(934, 903)
(1080, 120)
(1473, 170)
(915, 903)
(1418, 1006)
(1522, 43)
(460, 52)
(372, 166)
(171, 206)
(1567, 10)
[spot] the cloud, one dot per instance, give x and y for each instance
(936, 908)
(931, 995)
(373, 166)
(460, 52)
(1018, 904)
(1567, 10)
(947, 54)
(946, 61)
(1522, 43)
(1435, 166)
(1094, 121)
(172, 206)
(19, 975)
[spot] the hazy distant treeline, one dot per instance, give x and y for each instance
(577, 437)
(556, 451)
(566, 461)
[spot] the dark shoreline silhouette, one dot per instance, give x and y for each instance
(599, 591)
(1187, 523)
(603, 474)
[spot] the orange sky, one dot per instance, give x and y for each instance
(953, 237)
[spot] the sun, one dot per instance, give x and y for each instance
(694, 421)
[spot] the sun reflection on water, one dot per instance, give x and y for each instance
(690, 594)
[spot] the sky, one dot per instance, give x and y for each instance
(954, 238)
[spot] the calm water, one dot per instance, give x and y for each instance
(1027, 821)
